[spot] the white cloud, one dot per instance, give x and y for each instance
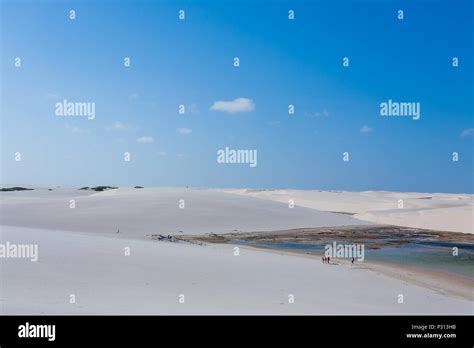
(467, 132)
(234, 106)
(366, 129)
(161, 153)
(184, 131)
(146, 140)
(120, 126)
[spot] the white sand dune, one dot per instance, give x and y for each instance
(141, 212)
(437, 211)
(80, 253)
(213, 281)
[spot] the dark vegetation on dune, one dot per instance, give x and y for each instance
(138, 187)
(98, 188)
(10, 189)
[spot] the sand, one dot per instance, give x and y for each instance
(139, 213)
(80, 253)
(212, 280)
(436, 211)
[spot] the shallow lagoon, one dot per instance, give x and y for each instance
(437, 256)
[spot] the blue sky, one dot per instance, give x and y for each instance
(282, 62)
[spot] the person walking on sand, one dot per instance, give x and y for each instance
(322, 258)
(328, 259)
(352, 261)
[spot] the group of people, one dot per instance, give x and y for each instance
(327, 259)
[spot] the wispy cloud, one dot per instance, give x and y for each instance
(133, 97)
(52, 95)
(77, 130)
(123, 126)
(161, 153)
(234, 106)
(318, 114)
(467, 132)
(120, 126)
(192, 109)
(273, 123)
(184, 131)
(366, 129)
(146, 140)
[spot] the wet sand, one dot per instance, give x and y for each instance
(379, 235)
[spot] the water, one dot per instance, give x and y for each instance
(432, 255)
